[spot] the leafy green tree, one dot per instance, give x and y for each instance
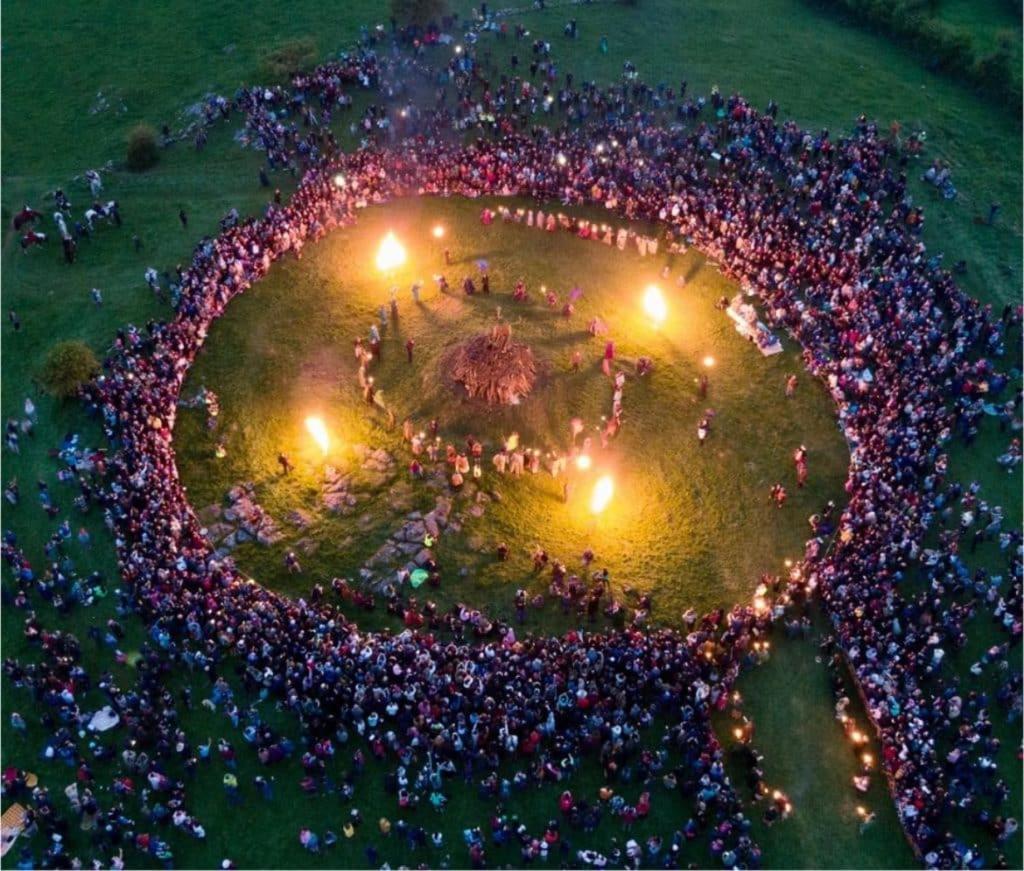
(68, 366)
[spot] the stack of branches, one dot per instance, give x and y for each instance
(494, 368)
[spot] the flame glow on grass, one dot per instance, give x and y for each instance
(318, 430)
(604, 489)
(391, 253)
(655, 305)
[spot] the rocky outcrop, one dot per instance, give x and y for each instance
(244, 519)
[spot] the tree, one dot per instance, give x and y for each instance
(142, 148)
(418, 12)
(68, 366)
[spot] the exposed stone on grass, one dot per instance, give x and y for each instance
(299, 518)
(243, 520)
(374, 460)
(336, 492)
(409, 540)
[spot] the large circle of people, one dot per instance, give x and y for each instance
(820, 226)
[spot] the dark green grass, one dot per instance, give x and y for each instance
(163, 57)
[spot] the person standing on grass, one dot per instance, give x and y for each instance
(409, 345)
(265, 787)
(702, 430)
(11, 438)
(800, 461)
(231, 789)
(790, 386)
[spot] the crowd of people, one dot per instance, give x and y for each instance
(823, 229)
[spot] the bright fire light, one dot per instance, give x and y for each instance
(583, 462)
(602, 495)
(709, 361)
(438, 231)
(391, 254)
(655, 305)
(318, 430)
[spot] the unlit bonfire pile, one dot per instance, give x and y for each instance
(494, 368)
(243, 520)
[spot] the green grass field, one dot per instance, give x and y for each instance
(158, 59)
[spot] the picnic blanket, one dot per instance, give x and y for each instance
(767, 343)
(105, 718)
(12, 824)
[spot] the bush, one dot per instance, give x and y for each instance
(995, 71)
(418, 12)
(945, 46)
(68, 366)
(949, 47)
(290, 57)
(142, 148)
